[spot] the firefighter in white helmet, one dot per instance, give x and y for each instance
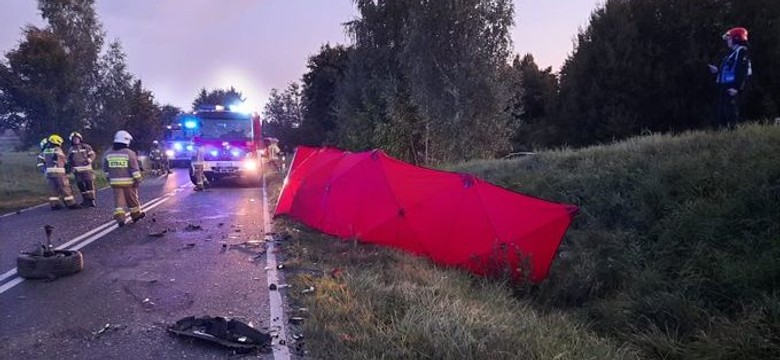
(54, 163)
(80, 158)
(124, 175)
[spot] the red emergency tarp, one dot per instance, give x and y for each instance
(454, 219)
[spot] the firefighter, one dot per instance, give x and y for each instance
(41, 165)
(198, 168)
(158, 159)
(80, 158)
(124, 175)
(54, 160)
(273, 154)
(732, 75)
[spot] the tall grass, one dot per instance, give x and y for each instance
(674, 255)
(22, 184)
(677, 247)
(375, 303)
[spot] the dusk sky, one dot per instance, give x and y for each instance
(177, 47)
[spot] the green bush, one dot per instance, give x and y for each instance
(676, 248)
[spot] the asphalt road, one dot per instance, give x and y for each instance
(134, 285)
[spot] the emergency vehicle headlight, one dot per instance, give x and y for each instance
(170, 153)
(214, 152)
(250, 164)
(190, 148)
(178, 146)
(190, 124)
(235, 152)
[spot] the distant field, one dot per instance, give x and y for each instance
(674, 255)
(22, 185)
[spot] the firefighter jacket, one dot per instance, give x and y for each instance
(273, 152)
(156, 153)
(121, 167)
(54, 161)
(80, 157)
(735, 69)
(197, 157)
(41, 163)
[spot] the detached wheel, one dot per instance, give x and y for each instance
(57, 264)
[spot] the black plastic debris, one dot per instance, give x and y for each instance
(191, 227)
(158, 233)
(229, 333)
(272, 287)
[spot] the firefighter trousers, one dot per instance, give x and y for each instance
(60, 190)
(200, 177)
(126, 197)
(85, 180)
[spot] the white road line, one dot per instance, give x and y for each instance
(10, 284)
(36, 206)
(281, 352)
(8, 274)
(91, 236)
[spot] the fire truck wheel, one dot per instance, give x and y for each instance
(59, 263)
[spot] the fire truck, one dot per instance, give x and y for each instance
(230, 142)
(179, 147)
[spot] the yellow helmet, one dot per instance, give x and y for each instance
(56, 140)
(75, 134)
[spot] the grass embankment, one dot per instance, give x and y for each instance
(22, 185)
(674, 255)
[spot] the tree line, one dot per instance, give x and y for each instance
(64, 77)
(435, 81)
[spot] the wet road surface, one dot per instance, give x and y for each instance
(134, 285)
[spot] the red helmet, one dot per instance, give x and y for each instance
(737, 33)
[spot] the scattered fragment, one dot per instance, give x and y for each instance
(191, 227)
(272, 287)
(296, 320)
(102, 329)
(307, 290)
(280, 266)
(297, 336)
(221, 224)
(159, 233)
(172, 280)
(230, 333)
(188, 246)
(282, 342)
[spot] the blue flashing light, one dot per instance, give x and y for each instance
(235, 152)
(214, 152)
(190, 147)
(178, 146)
(190, 124)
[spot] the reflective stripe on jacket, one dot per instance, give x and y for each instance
(54, 161)
(121, 167)
(80, 157)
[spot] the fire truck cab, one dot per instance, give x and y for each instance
(228, 144)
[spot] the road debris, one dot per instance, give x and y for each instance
(272, 286)
(308, 290)
(159, 233)
(230, 333)
(102, 329)
(191, 227)
(296, 320)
